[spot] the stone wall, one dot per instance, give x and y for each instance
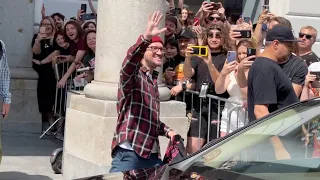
(16, 31)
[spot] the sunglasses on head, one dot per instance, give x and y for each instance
(212, 18)
(308, 36)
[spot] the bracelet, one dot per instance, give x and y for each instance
(145, 40)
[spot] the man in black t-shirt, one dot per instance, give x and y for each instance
(206, 71)
(269, 89)
(308, 36)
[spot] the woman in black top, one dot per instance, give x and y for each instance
(42, 46)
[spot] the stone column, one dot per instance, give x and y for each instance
(91, 118)
(121, 25)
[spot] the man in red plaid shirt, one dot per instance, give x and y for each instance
(135, 144)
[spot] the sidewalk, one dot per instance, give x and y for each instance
(26, 157)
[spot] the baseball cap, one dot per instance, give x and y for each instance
(314, 67)
(281, 33)
(187, 33)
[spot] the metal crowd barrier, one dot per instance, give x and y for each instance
(209, 98)
(60, 105)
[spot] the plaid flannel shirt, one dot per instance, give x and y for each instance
(138, 104)
(4, 76)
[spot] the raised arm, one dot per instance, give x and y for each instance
(223, 80)
(135, 53)
(93, 9)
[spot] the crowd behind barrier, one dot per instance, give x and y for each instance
(227, 70)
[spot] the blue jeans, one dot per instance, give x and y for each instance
(126, 160)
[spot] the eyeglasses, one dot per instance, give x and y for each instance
(155, 49)
(212, 18)
(308, 36)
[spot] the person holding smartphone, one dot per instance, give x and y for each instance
(42, 46)
(227, 81)
(206, 70)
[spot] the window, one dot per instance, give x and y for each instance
(283, 147)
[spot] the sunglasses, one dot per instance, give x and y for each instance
(212, 18)
(217, 35)
(308, 36)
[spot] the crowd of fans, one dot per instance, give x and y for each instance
(58, 49)
(225, 77)
(71, 45)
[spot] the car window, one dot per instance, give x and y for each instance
(286, 143)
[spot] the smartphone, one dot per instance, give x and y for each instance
(208, 1)
(317, 74)
(42, 30)
(244, 33)
(90, 16)
(84, 8)
(196, 21)
(216, 6)
(267, 8)
(316, 83)
(264, 27)
(246, 19)
(231, 56)
(175, 11)
(251, 52)
(199, 51)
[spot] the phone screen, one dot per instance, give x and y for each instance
(84, 8)
(42, 30)
(232, 55)
(246, 19)
(251, 52)
(196, 21)
(264, 27)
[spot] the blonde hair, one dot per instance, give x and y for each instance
(53, 28)
(310, 28)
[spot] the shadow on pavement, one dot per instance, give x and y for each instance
(21, 176)
(28, 144)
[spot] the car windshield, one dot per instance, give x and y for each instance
(286, 146)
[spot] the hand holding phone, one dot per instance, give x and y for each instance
(316, 83)
(244, 33)
(196, 21)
